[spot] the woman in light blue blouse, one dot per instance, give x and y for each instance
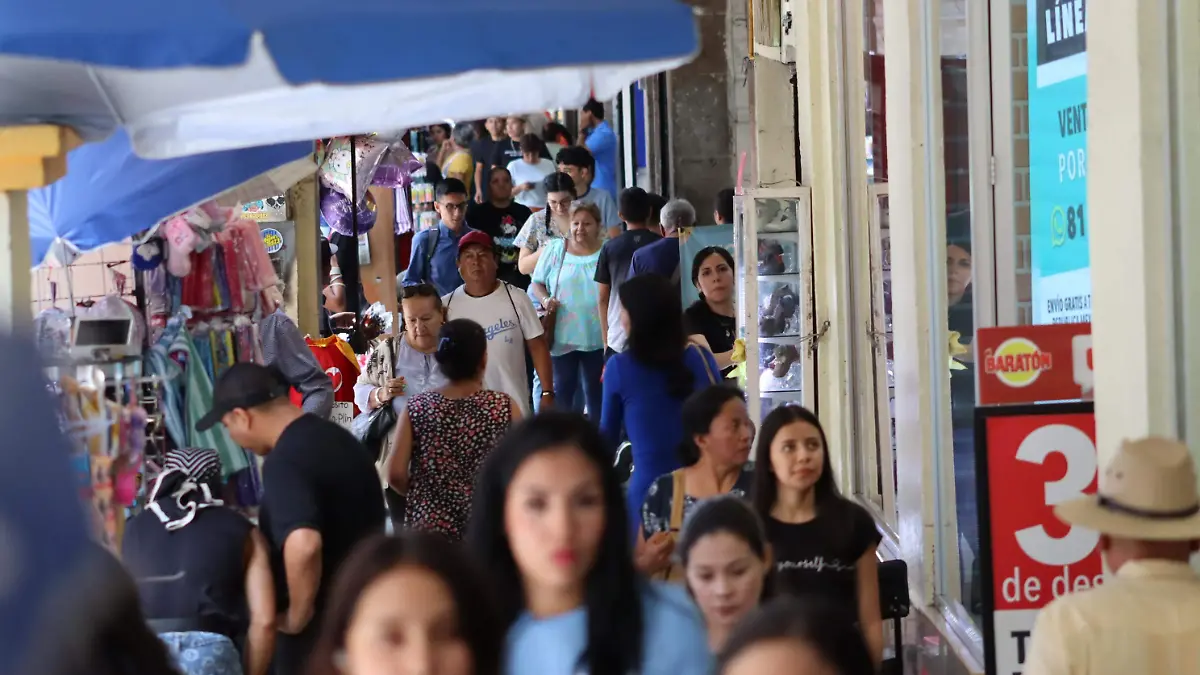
(550, 524)
(563, 282)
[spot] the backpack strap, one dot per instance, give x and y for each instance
(517, 314)
(437, 237)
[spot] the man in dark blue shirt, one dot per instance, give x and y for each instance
(434, 256)
(662, 257)
(615, 257)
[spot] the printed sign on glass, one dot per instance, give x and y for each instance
(1033, 364)
(1058, 217)
(1029, 459)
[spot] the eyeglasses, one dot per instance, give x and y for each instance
(454, 206)
(559, 203)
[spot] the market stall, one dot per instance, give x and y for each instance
(132, 379)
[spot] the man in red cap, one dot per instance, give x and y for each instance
(508, 318)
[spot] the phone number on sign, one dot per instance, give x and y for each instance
(1067, 224)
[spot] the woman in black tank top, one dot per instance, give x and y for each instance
(203, 571)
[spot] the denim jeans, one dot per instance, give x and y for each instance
(577, 401)
(576, 373)
(197, 653)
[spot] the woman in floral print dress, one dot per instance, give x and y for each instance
(444, 435)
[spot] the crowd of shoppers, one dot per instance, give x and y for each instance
(518, 548)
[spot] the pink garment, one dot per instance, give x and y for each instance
(231, 248)
(258, 273)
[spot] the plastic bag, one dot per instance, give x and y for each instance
(335, 170)
(396, 167)
(336, 213)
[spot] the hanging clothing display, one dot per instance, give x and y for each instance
(197, 386)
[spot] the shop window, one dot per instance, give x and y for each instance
(958, 538)
(876, 467)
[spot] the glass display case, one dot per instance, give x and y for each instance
(773, 242)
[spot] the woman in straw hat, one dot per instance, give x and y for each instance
(1146, 617)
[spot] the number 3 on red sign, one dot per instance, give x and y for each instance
(1080, 453)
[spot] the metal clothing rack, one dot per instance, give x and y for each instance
(122, 381)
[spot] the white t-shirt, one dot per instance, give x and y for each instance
(523, 172)
(508, 319)
(605, 202)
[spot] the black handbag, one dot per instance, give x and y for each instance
(380, 422)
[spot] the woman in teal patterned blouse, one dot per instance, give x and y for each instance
(563, 282)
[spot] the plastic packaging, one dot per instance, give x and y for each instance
(335, 170)
(395, 167)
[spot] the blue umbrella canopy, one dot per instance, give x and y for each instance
(109, 193)
(348, 41)
(204, 75)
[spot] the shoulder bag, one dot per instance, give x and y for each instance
(549, 318)
(675, 574)
(380, 423)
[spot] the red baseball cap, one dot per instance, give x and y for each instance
(475, 238)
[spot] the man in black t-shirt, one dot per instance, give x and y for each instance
(509, 149)
(502, 218)
(481, 153)
(634, 208)
(321, 496)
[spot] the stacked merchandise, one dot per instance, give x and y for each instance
(110, 441)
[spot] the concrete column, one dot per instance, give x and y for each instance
(1129, 199)
(16, 297)
(30, 157)
(774, 138)
(701, 146)
(914, 197)
(379, 277)
(305, 284)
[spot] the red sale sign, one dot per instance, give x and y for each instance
(1031, 458)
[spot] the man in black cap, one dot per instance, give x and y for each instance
(321, 496)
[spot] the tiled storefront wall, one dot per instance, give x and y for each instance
(90, 278)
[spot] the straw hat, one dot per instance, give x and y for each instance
(1148, 492)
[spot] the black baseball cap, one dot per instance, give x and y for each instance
(244, 385)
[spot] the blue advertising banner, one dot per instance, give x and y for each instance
(1061, 271)
(691, 241)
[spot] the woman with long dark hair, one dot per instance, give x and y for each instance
(103, 629)
(645, 385)
(409, 604)
(711, 320)
(824, 544)
(727, 560)
(717, 433)
(798, 637)
(549, 523)
(552, 222)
